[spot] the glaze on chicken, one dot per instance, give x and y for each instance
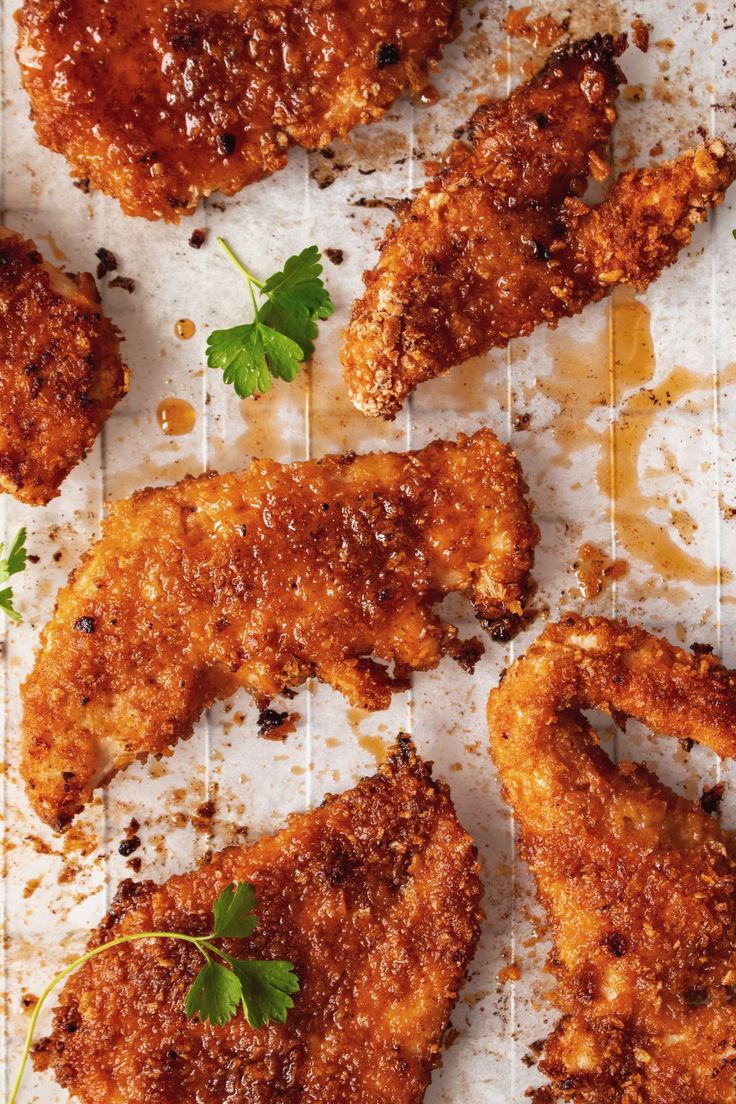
(373, 897)
(639, 885)
(500, 240)
(259, 579)
(161, 104)
(60, 370)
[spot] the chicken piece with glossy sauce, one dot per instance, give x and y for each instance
(160, 104)
(500, 240)
(259, 579)
(639, 885)
(374, 898)
(60, 370)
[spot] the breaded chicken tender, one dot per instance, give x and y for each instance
(60, 370)
(374, 898)
(260, 579)
(499, 241)
(161, 104)
(639, 885)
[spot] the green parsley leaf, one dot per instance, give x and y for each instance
(233, 912)
(11, 565)
(281, 336)
(301, 330)
(262, 989)
(298, 287)
(215, 994)
(250, 355)
(266, 990)
(16, 560)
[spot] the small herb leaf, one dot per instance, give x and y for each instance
(233, 912)
(250, 355)
(281, 336)
(266, 990)
(301, 330)
(6, 605)
(298, 288)
(215, 995)
(11, 565)
(16, 560)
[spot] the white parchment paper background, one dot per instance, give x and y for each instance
(55, 890)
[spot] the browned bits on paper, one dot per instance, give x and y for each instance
(640, 33)
(541, 32)
(273, 725)
(108, 262)
(127, 283)
(594, 569)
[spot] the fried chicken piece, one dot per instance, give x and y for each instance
(639, 885)
(159, 105)
(374, 897)
(260, 579)
(499, 241)
(60, 370)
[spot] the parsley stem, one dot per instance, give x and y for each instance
(196, 940)
(237, 261)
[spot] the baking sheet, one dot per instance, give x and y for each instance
(678, 452)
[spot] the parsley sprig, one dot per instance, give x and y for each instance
(281, 336)
(11, 564)
(262, 989)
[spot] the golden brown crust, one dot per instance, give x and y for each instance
(374, 898)
(60, 370)
(259, 579)
(159, 105)
(639, 885)
(499, 241)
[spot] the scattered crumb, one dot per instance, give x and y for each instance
(108, 262)
(127, 283)
(128, 846)
(198, 238)
(640, 33)
(203, 815)
(543, 31)
(273, 725)
(594, 569)
(712, 797)
(335, 255)
(509, 973)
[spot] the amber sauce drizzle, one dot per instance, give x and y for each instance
(618, 366)
(633, 505)
(185, 328)
(373, 744)
(175, 417)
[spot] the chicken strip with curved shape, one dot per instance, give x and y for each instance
(260, 579)
(160, 104)
(639, 885)
(375, 899)
(60, 370)
(500, 241)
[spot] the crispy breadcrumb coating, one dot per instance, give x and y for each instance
(160, 104)
(374, 897)
(259, 579)
(60, 370)
(639, 884)
(499, 241)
